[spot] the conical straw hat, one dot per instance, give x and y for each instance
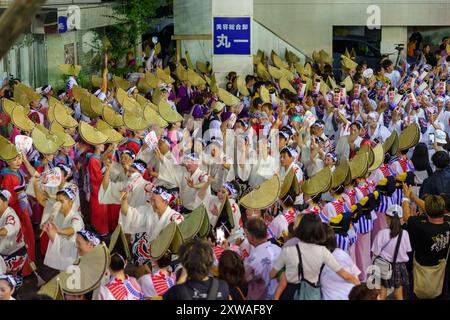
(170, 238)
(45, 141)
(19, 117)
(263, 196)
(8, 151)
(107, 130)
(91, 135)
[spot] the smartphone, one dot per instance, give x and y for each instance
(431, 138)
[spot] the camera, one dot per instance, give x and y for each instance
(399, 47)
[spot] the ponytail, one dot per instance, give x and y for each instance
(395, 225)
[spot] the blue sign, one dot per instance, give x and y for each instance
(232, 35)
(62, 24)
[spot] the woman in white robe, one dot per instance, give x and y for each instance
(146, 222)
(61, 227)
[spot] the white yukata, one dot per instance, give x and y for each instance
(167, 173)
(381, 133)
(213, 205)
(298, 173)
(257, 271)
(265, 169)
(13, 241)
(187, 194)
(137, 194)
(62, 251)
(144, 219)
(51, 202)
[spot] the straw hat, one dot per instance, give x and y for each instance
(134, 119)
(113, 118)
(152, 117)
(96, 105)
(288, 74)
(370, 155)
(45, 141)
(318, 183)
(264, 93)
(68, 140)
(291, 57)
(262, 196)
(348, 82)
(277, 61)
(391, 144)
(228, 98)
(284, 84)
(23, 95)
(225, 218)
(19, 117)
(316, 56)
(194, 78)
(378, 153)
(202, 67)
(409, 137)
(70, 69)
(307, 70)
(146, 103)
(340, 174)
(262, 73)
(168, 113)
(331, 83)
(170, 238)
(62, 115)
(107, 130)
(213, 85)
(163, 76)
(325, 57)
(91, 135)
(299, 68)
(359, 165)
(193, 223)
(152, 80)
(92, 269)
(275, 72)
(242, 86)
(217, 106)
(290, 184)
(144, 86)
(348, 63)
(9, 105)
(8, 151)
(79, 93)
(97, 82)
(122, 83)
(114, 240)
(324, 89)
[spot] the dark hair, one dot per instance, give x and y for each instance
(440, 159)
(421, 159)
(395, 225)
(257, 101)
(231, 269)
(339, 190)
(403, 152)
(446, 198)
(330, 242)
(316, 198)
(249, 78)
(197, 257)
(286, 151)
(362, 292)
(434, 206)
(357, 124)
(310, 229)
(165, 260)
(3, 198)
(288, 200)
(257, 228)
(291, 229)
(117, 262)
(387, 63)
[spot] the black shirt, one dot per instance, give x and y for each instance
(198, 290)
(236, 295)
(429, 241)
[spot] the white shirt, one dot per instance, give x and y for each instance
(313, 257)
(11, 243)
(333, 286)
(257, 271)
(187, 194)
(394, 76)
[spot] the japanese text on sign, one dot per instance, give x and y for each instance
(232, 35)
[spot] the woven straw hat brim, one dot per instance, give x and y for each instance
(263, 196)
(170, 238)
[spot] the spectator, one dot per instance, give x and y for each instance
(439, 182)
(231, 270)
(429, 56)
(197, 258)
(362, 292)
(392, 74)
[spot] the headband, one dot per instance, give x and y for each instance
(292, 152)
(47, 89)
(332, 155)
(64, 168)
(164, 193)
(231, 189)
(191, 157)
(89, 236)
(6, 194)
(9, 279)
(130, 153)
(139, 166)
(130, 91)
(68, 192)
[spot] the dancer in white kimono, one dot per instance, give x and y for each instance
(146, 222)
(61, 227)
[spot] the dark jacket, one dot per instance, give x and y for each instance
(436, 184)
